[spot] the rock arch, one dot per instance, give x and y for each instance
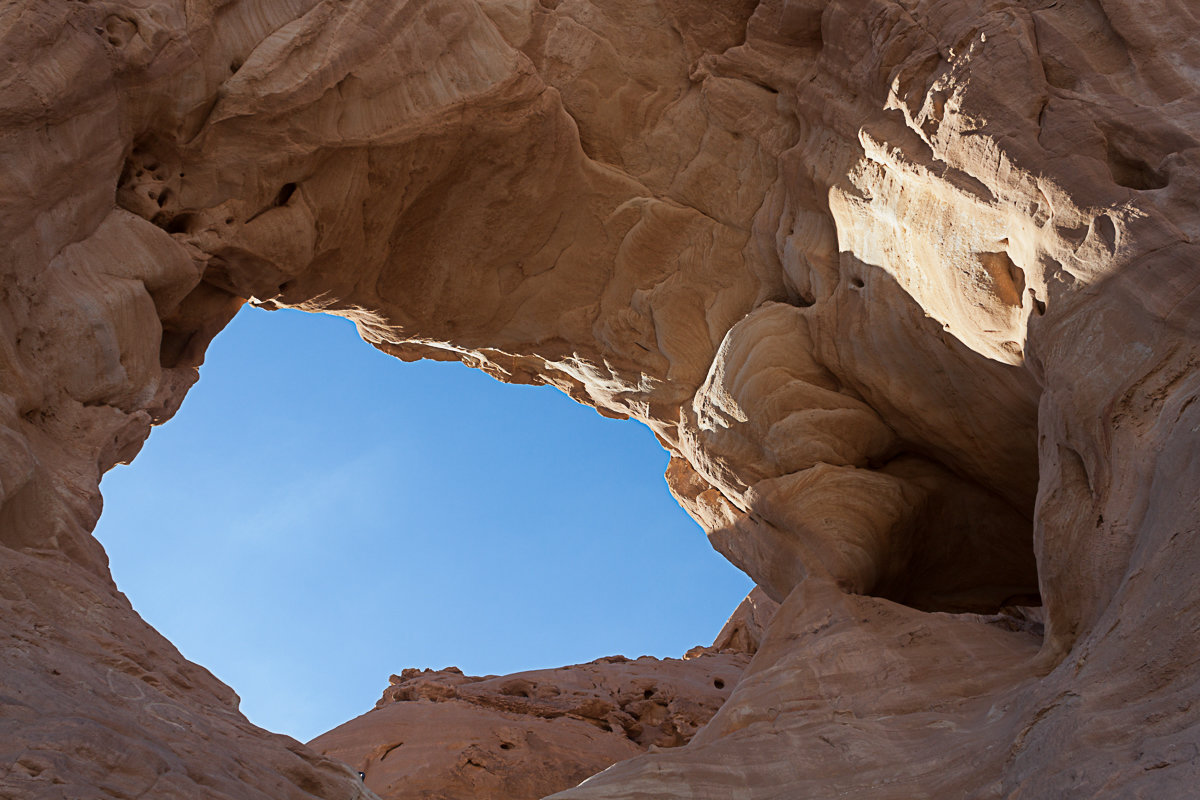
(869, 270)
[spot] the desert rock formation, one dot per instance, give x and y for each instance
(907, 288)
(443, 734)
(527, 735)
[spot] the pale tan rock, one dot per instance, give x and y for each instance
(908, 290)
(746, 626)
(530, 734)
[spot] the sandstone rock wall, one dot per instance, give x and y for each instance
(907, 288)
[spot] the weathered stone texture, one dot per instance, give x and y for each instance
(907, 288)
(527, 735)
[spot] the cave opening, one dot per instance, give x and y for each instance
(319, 515)
(965, 465)
(964, 546)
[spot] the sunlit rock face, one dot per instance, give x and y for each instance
(528, 735)
(907, 289)
(443, 734)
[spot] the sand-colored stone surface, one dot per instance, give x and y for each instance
(907, 288)
(442, 734)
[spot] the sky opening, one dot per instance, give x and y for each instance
(319, 515)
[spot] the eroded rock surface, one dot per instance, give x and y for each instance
(908, 289)
(527, 735)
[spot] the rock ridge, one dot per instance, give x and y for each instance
(530, 734)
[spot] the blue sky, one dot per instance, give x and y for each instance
(319, 516)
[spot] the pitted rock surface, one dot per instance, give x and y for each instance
(527, 735)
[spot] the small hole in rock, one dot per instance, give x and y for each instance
(720, 684)
(506, 746)
(646, 695)
(1131, 171)
(857, 283)
(285, 194)
(181, 223)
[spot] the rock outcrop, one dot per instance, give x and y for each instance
(527, 735)
(443, 734)
(908, 289)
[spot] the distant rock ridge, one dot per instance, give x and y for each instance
(907, 289)
(440, 733)
(527, 735)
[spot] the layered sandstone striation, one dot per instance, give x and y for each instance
(907, 288)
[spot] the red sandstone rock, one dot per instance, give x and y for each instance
(908, 289)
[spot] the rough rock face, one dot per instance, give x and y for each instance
(907, 288)
(527, 735)
(443, 734)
